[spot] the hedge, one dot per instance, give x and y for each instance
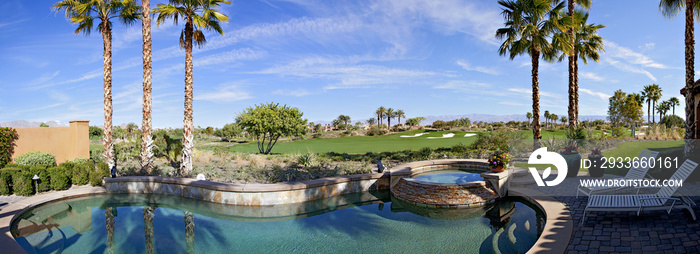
(60, 177)
(36, 158)
(97, 175)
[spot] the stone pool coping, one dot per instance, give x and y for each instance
(9, 213)
(558, 226)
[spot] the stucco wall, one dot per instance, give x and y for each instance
(66, 143)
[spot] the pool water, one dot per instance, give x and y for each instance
(449, 176)
(354, 223)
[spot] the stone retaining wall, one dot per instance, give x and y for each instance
(249, 194)
(463, 195)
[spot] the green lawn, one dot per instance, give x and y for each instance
(361, 145)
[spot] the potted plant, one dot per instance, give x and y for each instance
(596, 158)
(573, 160)
(499, 161)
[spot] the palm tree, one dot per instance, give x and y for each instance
(196, 14)
(586, 45)
(390, 113)
(528, 115)
(663, 108)
(553, 119)
(84, 13)
(646, 94)
(371, 121)
(380, 115)
(573, 60)
(670, 8)
(547, 116)
(655, 95)
(399, 114)
(673, 102)
(563, 120)
(146, 140)
(529, 26)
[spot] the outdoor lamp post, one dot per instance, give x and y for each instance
(36, 182)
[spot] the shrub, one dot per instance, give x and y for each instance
(59, 177)
(44, 176)
(672, 120)
(96, 154)
(36, 158)
(8, 136)
(460, 148)
(619, 132)
(22, 183)
(81, 174)
(374, 131)
(306, 160)
(425, 153)
(5, 180)
(491, 141)
(97, 175)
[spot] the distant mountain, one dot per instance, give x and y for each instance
(496, 118)
(25, 124)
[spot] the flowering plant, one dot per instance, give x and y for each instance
(499, 158)
(570, 149)
(595, 154)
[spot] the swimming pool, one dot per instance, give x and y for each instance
(453, 175)
(359, 223)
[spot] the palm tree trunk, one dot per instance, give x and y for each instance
(187, 140)
(690, 121)
(107, 66)
(648, 111)
(109, 224)
(148, 214)
(572, 97)
(576, 122)
(189, 232)
(653, 113)
(146, 140)
(535, 99)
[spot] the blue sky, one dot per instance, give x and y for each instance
(326, 58)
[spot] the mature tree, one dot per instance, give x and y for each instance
(197, 15)
(415, 121)
(529, 26)
(371, 121)
(390, 113)
(671, 8)
(229, 131)
(673, 102)
(586, 45)
(553, 119)
(399, 114)
(380, 115)
(624, 108)
(345, 119)
(528, 115)
(84, 13)
(268, 122)
(655, 95)
(146, 122)
(563, 120)
(464, 121)
(547, 116)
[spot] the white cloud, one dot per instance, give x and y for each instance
(510, 103)
(43, 79)
(630, 68)
(296, 92)
(462, 85)
(597, 94)
(631, 56)
(529, 91)
(224, 94)
(230, 56)
(591, 76)
(648, 46)
(465, 65)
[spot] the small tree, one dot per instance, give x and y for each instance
(268, 122)
(229, 131)
(8, 136)
(43, 125)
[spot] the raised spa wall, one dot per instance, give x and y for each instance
(448, 195)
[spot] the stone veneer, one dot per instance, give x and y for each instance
(250, 194)
(462, 195)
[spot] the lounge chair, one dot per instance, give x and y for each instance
(661, 200)
(634, 173)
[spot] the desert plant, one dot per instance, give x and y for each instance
(306, 160)
(36, 158)
(8, 136)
